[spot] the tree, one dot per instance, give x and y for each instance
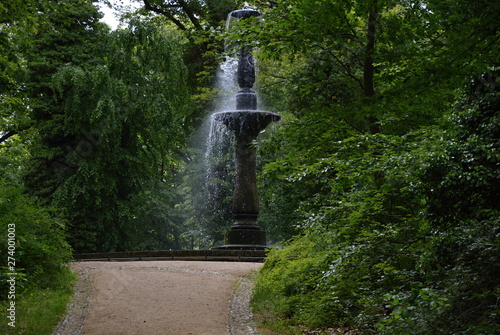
(459, 186)
(129, 118)
(351, 68)
(17, 21)
(72, 35)
(110, 115)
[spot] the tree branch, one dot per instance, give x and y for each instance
(167, 14)
(353, 126)
(5, 137)
(353, 36)
(369, 68)
(347, 70)
(190, 14)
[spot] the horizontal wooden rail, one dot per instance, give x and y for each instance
(185, 255)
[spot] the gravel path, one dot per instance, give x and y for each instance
(160, 297)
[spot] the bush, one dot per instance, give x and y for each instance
(407, 240)
(41, 251)
(287, 285)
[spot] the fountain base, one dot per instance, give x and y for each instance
(245, 234)
(250, 238)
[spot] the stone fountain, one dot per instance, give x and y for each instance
(246, 122)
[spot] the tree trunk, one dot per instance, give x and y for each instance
(369, 68)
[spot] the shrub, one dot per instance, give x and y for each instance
(41, 251)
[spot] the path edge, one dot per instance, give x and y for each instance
(79, 306)
(240, 316)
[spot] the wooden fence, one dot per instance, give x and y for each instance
(185, 255)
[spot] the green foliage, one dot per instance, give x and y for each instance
(404, 232)
(70, 35)
(392, 191)
(18, 19)
(115, 176)
(108, 120)
(39, 235)
(287, 285)
(41, 250)
(38, 310)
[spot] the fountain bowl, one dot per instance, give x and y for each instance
(246, 121)
(244, 13)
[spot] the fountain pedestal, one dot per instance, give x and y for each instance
(245, 233)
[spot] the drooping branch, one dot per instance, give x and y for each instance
(190, 14)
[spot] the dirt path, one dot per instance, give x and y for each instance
(161, 297)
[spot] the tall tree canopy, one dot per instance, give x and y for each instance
(128, 116)
(110, 114)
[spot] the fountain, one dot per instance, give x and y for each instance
(246, 122)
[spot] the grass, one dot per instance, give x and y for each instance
(38, 310)
(270, 321)
(269, 324)
(266, 318)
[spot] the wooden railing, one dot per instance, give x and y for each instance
(185, 255)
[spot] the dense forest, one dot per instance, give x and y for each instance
(379, 187)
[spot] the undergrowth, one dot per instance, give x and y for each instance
(38, 310)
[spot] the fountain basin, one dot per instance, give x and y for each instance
(246, 122)
(244, 13)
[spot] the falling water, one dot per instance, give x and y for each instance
(226, 84)
(226, 88)
(220, 140)
(218, 159)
